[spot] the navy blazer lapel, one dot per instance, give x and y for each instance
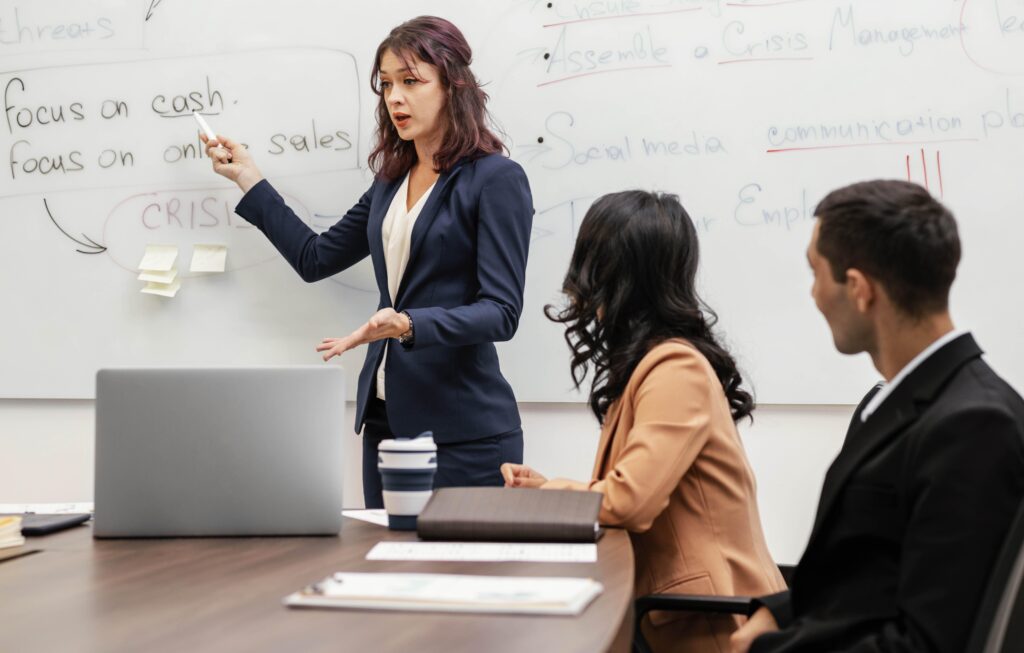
(374, 234)
(899, 410)
(423, 222)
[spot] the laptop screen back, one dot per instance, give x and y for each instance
(225, 451)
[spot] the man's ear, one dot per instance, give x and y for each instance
(861, 289)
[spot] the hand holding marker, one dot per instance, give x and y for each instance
(229, 159)
(209, 132)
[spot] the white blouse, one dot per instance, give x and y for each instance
(396, 234)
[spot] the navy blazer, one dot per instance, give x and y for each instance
(462, 287)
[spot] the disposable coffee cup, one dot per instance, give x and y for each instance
(407, 467)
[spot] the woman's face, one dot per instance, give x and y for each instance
(414, 98)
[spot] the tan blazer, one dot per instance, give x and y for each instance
(674, 474)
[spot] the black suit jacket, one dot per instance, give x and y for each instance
(912, 515)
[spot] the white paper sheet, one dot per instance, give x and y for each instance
(484, 551)
(46, 508)
(379, 517)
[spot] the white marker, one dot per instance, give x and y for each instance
(209, 132)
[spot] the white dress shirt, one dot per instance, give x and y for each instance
(887, 388)
(396, 233)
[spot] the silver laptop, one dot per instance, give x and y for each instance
(226, 451)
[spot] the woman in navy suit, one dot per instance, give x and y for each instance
(447, 224)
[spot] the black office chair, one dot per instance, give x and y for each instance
(998, 626)
(692, 603)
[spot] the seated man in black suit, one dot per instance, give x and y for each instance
(916, 505)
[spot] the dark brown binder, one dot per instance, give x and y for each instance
(510, 515)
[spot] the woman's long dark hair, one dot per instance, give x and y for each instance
(631, 286)
(465, 120)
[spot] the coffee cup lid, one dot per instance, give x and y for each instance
(422, 442)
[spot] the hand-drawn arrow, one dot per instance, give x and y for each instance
(536, 233)
(90, 245)
(152, 5)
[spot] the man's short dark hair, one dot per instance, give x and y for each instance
(897, 233)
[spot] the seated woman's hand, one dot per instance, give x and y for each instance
(564, 484)
(516, 475)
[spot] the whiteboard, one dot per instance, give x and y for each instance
(749, 111)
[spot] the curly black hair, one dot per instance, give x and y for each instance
(631, 286)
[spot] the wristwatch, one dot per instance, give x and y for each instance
(408, 338)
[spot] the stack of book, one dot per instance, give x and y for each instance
(10, 532)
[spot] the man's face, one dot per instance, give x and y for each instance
(851, 329)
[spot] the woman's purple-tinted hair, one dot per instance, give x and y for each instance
(464, 120)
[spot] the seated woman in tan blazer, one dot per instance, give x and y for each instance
(669, 462)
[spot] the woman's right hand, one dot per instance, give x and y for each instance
(521, 476)
(232, 160)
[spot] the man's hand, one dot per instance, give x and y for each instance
(760, 622)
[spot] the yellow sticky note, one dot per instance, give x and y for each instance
(159, 258)
(158, 277)
(162, 289)
(209, 258)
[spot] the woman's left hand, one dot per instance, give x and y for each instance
(385, 323)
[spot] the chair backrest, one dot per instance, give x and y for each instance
(999, 624)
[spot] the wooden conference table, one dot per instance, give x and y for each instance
(224, 594)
